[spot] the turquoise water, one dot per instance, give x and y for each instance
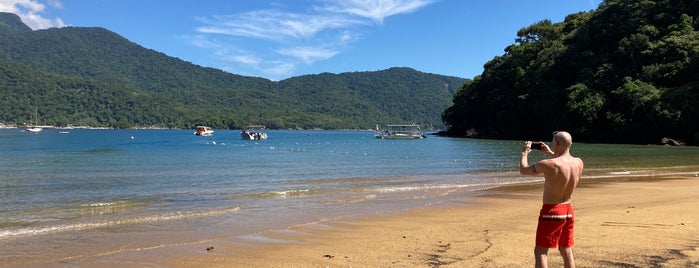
(135, 183)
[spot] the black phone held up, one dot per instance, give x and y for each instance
(536, 146)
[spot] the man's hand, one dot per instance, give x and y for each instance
(527, 147)
(545, 149)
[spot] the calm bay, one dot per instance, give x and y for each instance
(75, 193)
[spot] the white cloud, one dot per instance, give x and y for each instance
(247, 59)
(200, 41)
(346, 37)
(320, 33)
(309, 55)
(273, 25)
(55, 4)
(30, 12)
(14, 6)
(376, 10)
(253, 66)
(279, 70)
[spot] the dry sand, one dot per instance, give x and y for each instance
(619, 223)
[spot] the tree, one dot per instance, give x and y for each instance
(626, 72)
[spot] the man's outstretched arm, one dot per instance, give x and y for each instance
(524, 167)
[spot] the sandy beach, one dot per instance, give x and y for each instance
(620, 222)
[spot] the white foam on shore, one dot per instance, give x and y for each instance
(475, 186)
(291, 192)
(23, 232)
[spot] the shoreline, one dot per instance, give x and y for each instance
(620, 221)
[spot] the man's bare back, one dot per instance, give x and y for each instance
(561, 177)
(561, 173)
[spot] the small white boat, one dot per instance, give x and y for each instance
(31, 127)
(253, 132)
(34, 129)
(400, 132)
(203, 131)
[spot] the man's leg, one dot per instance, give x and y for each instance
(567, 254)
(541, 257)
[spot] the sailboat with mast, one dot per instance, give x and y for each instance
(34, 128)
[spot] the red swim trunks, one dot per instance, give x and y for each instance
(555, 226)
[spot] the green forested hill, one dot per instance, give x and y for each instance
(380, 96)
(105, 80)
(63, 100)
(12, 22)
(627, 72)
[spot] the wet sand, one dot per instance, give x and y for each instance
(620, 222)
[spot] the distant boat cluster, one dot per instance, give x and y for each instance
(29, 127)
(253, 132)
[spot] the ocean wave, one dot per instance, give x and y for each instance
(291, 192)
(285, 193)
(22, 232)
(101, 208)
(474, 186)
(688, 171)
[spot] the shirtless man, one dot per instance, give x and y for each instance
(561, 173)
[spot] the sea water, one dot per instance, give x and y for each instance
(147, 188)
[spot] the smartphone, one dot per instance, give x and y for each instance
(536, 146)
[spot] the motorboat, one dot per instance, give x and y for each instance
(203, 131)
(253, 132)
(400, 132)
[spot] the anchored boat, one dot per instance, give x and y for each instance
(253, 132)
(400, 132)
(203, 131)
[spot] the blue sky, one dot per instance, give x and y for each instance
(285, 38)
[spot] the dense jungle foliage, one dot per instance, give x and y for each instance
(92, 76)
(627, 72)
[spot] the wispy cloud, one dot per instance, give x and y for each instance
(30, 12)
(273, 24)
(289, 38)
(247, 59)
(308, 54)
(376, 10)
(251, 65)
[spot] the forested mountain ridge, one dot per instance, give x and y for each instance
(12, 22)
(181, 94)
(627, 72)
